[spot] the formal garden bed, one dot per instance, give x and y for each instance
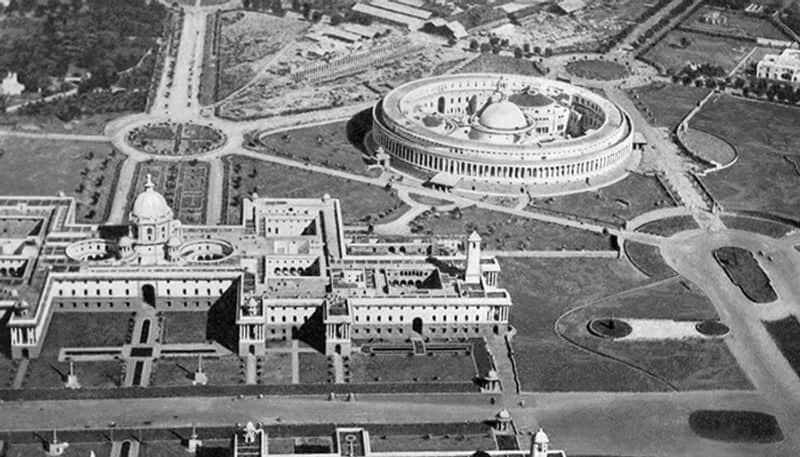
(786, 334)
(744, 271)
(86, 170)
(457, 367)
(175, 139)
(669, 226)
(771, 228)
(736, 426)
(184, 186)
(647, 259)
(597, 69)
(361, 203)
(708, 147)
(766, 175)
(609, 328)
(507, 232)
(712, 328)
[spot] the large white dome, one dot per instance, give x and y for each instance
(503, 115)
(150, 206)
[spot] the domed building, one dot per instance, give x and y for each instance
(504, 129)
(152, 225)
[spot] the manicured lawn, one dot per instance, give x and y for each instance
(744, 271)
(86, 329)
(178, 371)
(544, 289)
(314, 368)
(85, 170)
(764, 178)
(328, 145)
(669, 226)
(493, 63)
(648, 260)
(597, 69)
(419, 443)
(766, 227)
(185, 327)
(421, 368)
(507, 232)
(736, 426)
(276, 368)
(360, 202)
(87, 124)
(717, 51)
(425, 200)
(674, 299)
(786, 334)
(48, 373)
(664, 104)
(634, 195)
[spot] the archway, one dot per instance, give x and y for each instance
(416, 325)
(252, 349)
(338, 348)
(440, 106)
(26, 354)
(149, 294)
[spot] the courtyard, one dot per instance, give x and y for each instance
(184, 186)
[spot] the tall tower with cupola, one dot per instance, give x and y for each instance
(152, 225)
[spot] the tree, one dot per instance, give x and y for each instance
(685, 42)
(336, 19)
(296, 5)
(517, 52)
(474, 45)
(486, 47)
(306, 10)
(527, 48)
(247, 4)
(3, 103)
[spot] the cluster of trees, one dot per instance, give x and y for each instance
(663, 22)
(276, 6)
(479, 14)
(791, 17)
(749, 87)
(496, 44)
(102, 36)
(69, 108)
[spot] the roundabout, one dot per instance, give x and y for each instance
(175, 139)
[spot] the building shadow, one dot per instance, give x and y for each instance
(221, 320)
(312, 332)
(357, 128)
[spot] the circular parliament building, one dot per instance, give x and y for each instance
(504, 129)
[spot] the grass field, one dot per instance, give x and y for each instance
(222, 371)
(597, 69)
(691, 364)
(85, 170)
(314, 368)
(420, 443)
(360, 202)
(736, 23)
(401, 368)
(619, 202)
(717, 51)
(764, 178)
(93, 124)
(507, 232)
(544, 289)
(493, 63)
(328, 145)
(86, 329)
(667, 104)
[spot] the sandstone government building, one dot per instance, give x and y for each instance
(504, 129)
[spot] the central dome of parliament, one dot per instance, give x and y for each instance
(150, 206)
(503, 115)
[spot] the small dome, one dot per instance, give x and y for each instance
(174, 242)
(474, 236)
(541, 437)
(504, 414)
(491, 375)
(503, 115)
(125, 242)
(150, 206)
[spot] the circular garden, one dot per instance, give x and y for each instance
(597, 69)
(609, 328)
(175, 139)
